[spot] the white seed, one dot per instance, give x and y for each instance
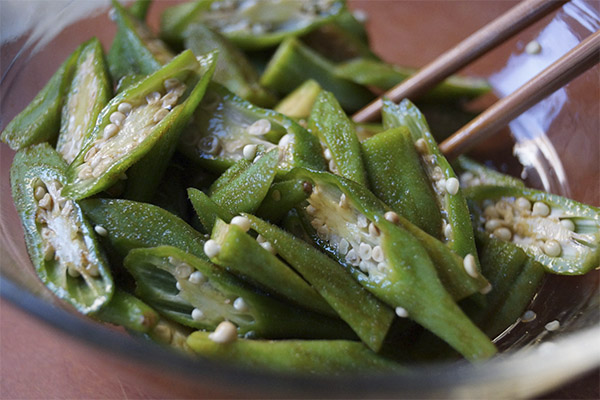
(488, 288)
(365, 251)
(240, 305)
(92, 269)
(352, 257)
(333, 167)
(490, 211)
(261, 239)
(437, 173)
(160, 114)
(39, 192)
(85, 172)
(124, 108)
(421, 146)
(286, 140)
(169, 100)
(364, 266)
(441, 185)
(533, 47)
(540, 209)
(448, 231)
(209, 144)
(327, 154)
(362, 221)
(183, 271)
(552, 325)
(310, 210)
(470, 265)
(171, 83)
(110, 130)
(259, 127)
(523, 204)
(452, 185)
(373, 230)
(377, 254)
(343, 201)
(197, 277)
(400, 311)
(382, 267)
(242, 222)
(567, 224)
(249, 151)
(343, 247)
(269, 247)
(392, 217)
(493, 224)
(48, 251)
(46, 202)
(528, 316)
(226, 332)
(153, 98)
(316, 223)
(197, 314)
(72, 271)
(503, 233)
(100, 230)
(552, 248)
(212, 248)
(117, 118)
(178, 286)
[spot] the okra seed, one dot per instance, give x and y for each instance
(373, 230)
(437, 173)
(260, 239)
(249, 151)
(352, 257)
(343, 247)
(178, 285)
(269, 247)
(124, 107)
(327, 154)
(528, 316)
(153, 98)
(160, 114)
(441, 185)
(568, 224)
(323, 231)
(382, 267)
(365, 251)
(211, 248)
(197, 277)
(286, 140)
(552, 326)
(260, 127)
(110, 130)
(492, 224)
(46, 202)
(183, 271)
(470, 265)
(540, 209)
(401, 312)
(48, 251)
(421, 146)
(488, 288)
(503, 233)
(117, 118)
(171, 83)
(310, 210)
(242, 222)
(92, 269)
(392, 217)
(169, 100)
(276, 195)
(85, 172)
(490, 211)
(377, 254)
(552, 248)
(72, 271)
(452, 185)
(364, 266)
(39, 192)
(226, 332)
(533, 47)
(100, 230)
(523, 204)
(362, 221)
(343, 203)
(240, 305)
(197, 315)
(316, 223)
(209, 144)
(333, 167)
(448, 231)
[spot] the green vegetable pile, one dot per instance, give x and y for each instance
(206, 189)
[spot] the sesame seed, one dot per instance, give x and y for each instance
(197, 314)
(226, 332)
(212, 248)
(540, 209)
(242, 222)
(470, 265)
(197, 277)
(552, 326)
(452, 185)
(401, 312)
(249, 151)
(100, 230)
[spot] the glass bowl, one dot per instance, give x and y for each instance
(556, 143)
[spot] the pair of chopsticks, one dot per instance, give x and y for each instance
(579, 59)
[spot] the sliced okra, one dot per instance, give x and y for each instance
(130, 224)
(61, 243)
(367, 130)
(89, 92)
(139, 9)
(226, 129)
(456, 231)
(207, 210)
(397, 177)
(171, 334)
(200, 295)
(367, 315)
(341, 148)
(244, 256)
(40, 120)
(299, 102)
(250, 26)
(230, 174)
(387, 259)
(472, 173)
(561, 234)
(282, 197)
(233, 70)
(128, 311)
(331, 357)
(151, 113)
(293, 63)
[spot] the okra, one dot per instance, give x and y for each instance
(281, 198)
(128, 311)
(472, 173)
(299, 102)
(171, 334)
(341, 147)
(388, 260)
(139, 9)
(40, 121)
(367, 316)
(207, 210)
(151, 113)
(197, 294)
(332, 357)
(233, 70)
(561, 234)
(243, 256)
(61, 243)
(230, 173)
(89, 92)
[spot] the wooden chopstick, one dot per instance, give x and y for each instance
(488, 37)
(578, 60)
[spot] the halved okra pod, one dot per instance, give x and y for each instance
(282, 197)
(61, 243)
(128, 311)
(561, 234)
(198, 294)
(299, 102)
(332, 357)
(388, 260)
(148, 114)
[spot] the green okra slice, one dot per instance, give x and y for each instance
(299, 102)
(226, 129)
(341, 147)
(230, 174)
(233, 70)
(242, 255)
(561, 234)
(151, 113)
(282, 197)
(40, 120)
(130, 224)
(250, 26)
(367, 316)
(207, 210)
(365, 131)
(331, 357)
(398, 179)
(293, 63)
(139, 9)
(380, 250)
(195, 293)
(472, 173)
(89, 91)
(378, 74)
(128, 311)
(457, 231)
(61, 243)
